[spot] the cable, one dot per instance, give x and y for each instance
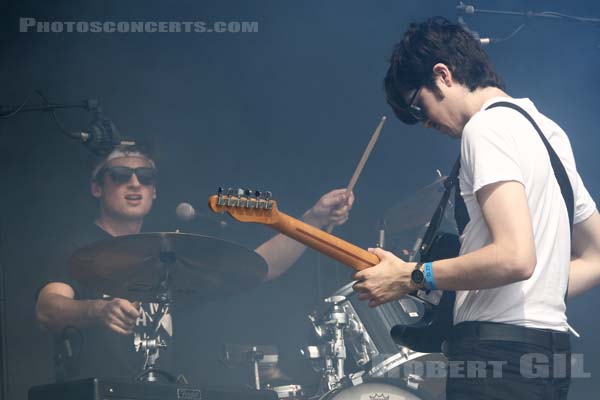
(46, 103)
(60, 126)
(513, 34)
(20, 107)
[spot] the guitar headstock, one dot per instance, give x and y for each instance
(245, 205)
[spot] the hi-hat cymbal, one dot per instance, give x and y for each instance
(415, 210)
(130, 267)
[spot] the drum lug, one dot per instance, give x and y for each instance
(413, 381)
(357, 378)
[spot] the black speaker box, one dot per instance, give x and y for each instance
(112, 389)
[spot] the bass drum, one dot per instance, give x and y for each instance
(371, 391)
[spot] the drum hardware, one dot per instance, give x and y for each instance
(365, 334)
(334, 355)
(255, 356)
(288, 392)
(150, 344)
(331, 354)
(156, 267)
(262, 360)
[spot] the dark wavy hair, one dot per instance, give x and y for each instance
(436, 40)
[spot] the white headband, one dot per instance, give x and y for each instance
(119, 153)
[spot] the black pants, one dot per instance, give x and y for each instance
(499, 361)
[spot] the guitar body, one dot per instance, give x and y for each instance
(434, 327)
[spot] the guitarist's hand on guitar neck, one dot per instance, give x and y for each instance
(389, 280)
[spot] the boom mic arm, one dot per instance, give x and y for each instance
(101, 136)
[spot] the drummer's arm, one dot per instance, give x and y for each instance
(57, 308)
(281, 252)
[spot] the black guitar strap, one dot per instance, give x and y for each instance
(559, 169)
(461, 214)
(432, 230)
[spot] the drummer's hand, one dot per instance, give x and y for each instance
(332, 208)
(118, 315)
(389, 280)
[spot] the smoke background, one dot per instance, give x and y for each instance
(288, 109)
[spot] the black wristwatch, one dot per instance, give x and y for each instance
(418, 277)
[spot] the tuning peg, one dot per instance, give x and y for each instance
(231, 199)
(260, 199)
(268, 196)
(242, 201)
(220, 200)
(251, 202)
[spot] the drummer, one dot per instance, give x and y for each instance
(92, 332)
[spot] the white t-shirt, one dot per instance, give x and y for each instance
(501, 145)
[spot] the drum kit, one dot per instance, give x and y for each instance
(352, 349)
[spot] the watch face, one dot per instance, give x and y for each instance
(417, 276)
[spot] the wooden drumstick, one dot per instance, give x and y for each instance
(362, 162)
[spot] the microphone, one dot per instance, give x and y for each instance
(463, 24)
(467, 9)
(185, 212)
(102, 136)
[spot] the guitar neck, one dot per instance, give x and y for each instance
(317, 239)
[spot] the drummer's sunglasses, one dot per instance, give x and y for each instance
(120, 174)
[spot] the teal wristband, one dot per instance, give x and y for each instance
(428, 272)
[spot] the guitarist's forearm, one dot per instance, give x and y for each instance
(489, 267)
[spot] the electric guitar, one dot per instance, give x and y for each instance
(245, 206)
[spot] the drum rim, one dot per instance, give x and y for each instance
(420, 394)
(392, 362)
(345, 290)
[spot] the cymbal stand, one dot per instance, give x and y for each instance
(255, 356)
(150, 344)
(335, 349)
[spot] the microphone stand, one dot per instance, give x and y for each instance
(102, 135)
(468, 9)
(471, 10)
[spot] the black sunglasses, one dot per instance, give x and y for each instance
(120, 174)
(415, 111)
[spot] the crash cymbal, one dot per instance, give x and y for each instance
(130, 267)
(416, 209)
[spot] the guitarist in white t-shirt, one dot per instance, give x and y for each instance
(517, 255)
